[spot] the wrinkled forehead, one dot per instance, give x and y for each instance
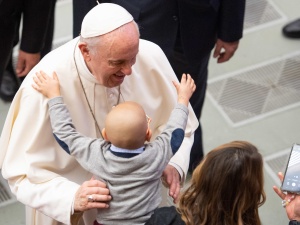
(120, 44)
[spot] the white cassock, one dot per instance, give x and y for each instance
(39, 172)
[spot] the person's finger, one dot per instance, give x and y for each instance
(280, 175)
(183, 79)
(176, 85)
(99, 194)
(37, 80)
(95, 183)
(100, 190)
(95, 190)
(101, 198)
(44, 76)
(176, 194)
(192, 82)
(172, 188)
(188, 78)
(189, 81)
(35, 87)
(39, 77)
(84, 203)
(174, 183)
(217, 50)
(55, 77)
(101, 205)
(279, 192)
(20, 67)
(25, 71)
(220, 58)
(194, 87)
(97, 187)
(225, 56)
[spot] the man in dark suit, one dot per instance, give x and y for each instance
(36, 39)
(187, 31)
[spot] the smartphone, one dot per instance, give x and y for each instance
(291, 180)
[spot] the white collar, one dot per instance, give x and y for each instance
(123, 150)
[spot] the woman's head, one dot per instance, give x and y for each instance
(226, 187)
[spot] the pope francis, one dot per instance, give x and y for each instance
(107, 64)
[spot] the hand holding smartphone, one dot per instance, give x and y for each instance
(291, 180)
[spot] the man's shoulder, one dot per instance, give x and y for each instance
(149, 46)
(66, 48)
(150, 51)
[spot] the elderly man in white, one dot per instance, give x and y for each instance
(106, 65)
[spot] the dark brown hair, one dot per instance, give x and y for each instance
(226, 188)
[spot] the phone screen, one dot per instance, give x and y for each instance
(291, 181)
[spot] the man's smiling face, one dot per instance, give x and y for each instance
(114, 56)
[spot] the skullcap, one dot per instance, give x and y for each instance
(104, 18)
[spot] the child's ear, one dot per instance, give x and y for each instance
(104, 134)
(148, 134)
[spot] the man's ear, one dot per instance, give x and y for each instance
(84, 51)
(148, 134)
(104, 134)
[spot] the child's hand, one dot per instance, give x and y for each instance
(46, 85)
(185, 89)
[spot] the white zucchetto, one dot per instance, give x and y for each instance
(104, 18)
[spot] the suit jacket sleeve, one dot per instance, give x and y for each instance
(231, 20)
(36, 19)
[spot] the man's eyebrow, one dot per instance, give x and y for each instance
(116, 61)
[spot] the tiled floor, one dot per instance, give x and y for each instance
(270, 120)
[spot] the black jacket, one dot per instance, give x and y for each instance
(165, 216)
(36, 18)
(200, 22)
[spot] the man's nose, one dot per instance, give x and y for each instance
(127, 69)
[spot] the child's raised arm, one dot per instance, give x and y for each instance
(48, 86)
(185, 89)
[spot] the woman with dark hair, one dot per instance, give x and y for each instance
(226, 188)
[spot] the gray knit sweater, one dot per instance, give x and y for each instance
(134, 183)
